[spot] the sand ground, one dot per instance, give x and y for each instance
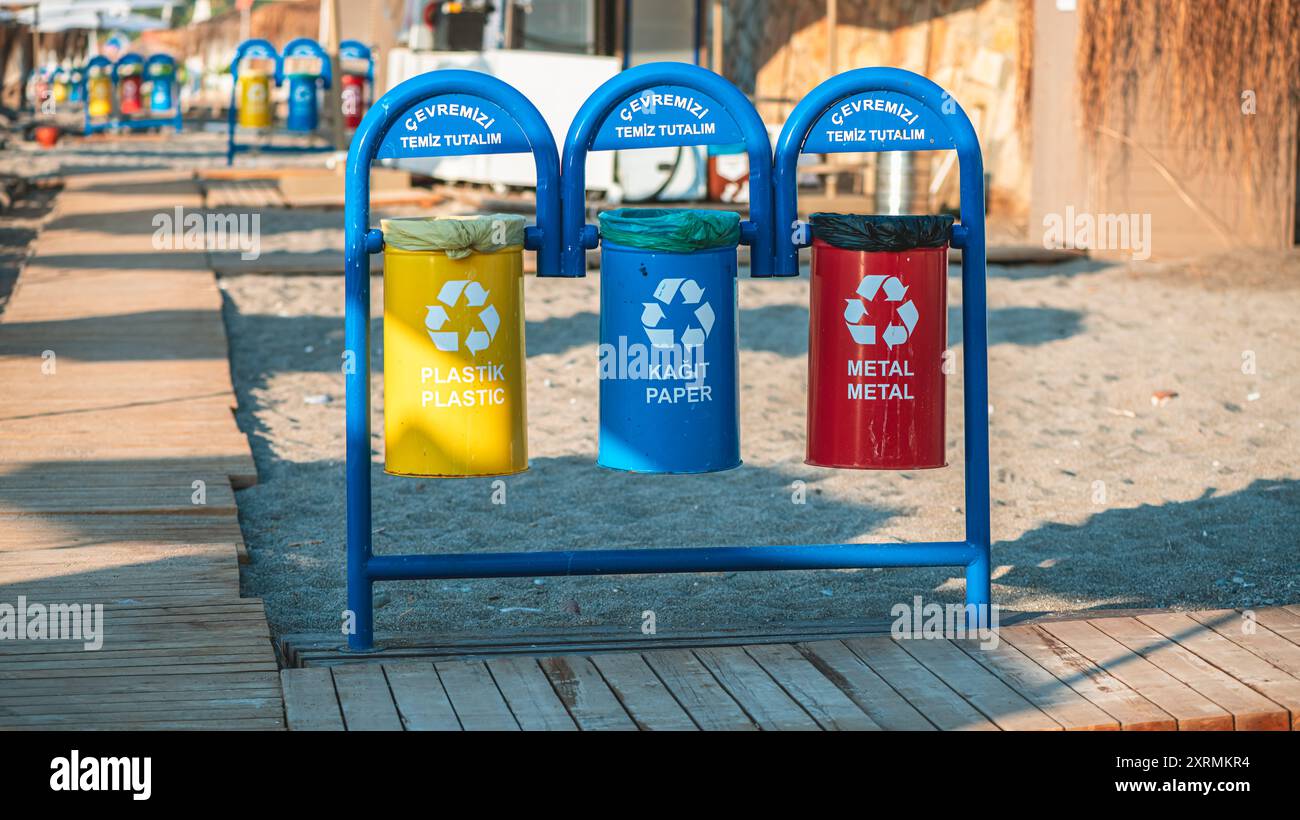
(1100, 498)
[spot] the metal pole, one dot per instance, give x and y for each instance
(715, 51)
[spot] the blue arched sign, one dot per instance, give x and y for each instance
(665, 104)
(453, 125)
(888, 109)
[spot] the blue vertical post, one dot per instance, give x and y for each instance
(528, 132)
(942, 124)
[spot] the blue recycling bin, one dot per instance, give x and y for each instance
(304, 114)
(669, 394)
(160, 98)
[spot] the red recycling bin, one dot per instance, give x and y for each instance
(353, 93)
(129, 100)
(878, 329)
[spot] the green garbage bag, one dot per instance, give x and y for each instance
(457, 236)
(675, 230)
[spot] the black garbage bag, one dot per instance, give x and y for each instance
(880, 232)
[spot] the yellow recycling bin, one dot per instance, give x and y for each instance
(254, 100)
(454, 387)
(99, 96)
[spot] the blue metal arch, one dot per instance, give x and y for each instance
(357, 50)
(305, 46)
(126, 60)
(967, 235)
(255, 47)
(360, 242)
(160, 59)
(578, 236)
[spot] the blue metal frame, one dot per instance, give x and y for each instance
(263, 49)
(968, 235)
(137, 123)
(578, 236)
(359, 242)
(364, 568)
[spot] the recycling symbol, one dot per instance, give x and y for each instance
(450, 296)
(855, 311)
(653, 314)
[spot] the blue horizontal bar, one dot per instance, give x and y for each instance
(677, 559)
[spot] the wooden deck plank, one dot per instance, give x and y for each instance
(762, 698)
(883, 705)
(422, 703)
(473, 693)
(310, 702)
(982, 689)
(365, 699)
(529, 693)
(699, 693)
(1252, 635)
(586, 695)
(642, 694)
(1232, 658)
(1134, 712)
(1192, 710)
(919, 686)
(806, 685)
(97, 496)
(1249, 709)
(1040, 687)
(1282, 621)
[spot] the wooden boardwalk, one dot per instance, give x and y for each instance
(1213, 670)
(117, 403)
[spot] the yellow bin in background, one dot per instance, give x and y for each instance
(99, 96)
(254, 100)
(454, 389)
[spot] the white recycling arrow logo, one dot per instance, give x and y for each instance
(691, 293)
(855, 311)
(475, 297)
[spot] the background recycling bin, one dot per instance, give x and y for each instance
(877, 334)
(454, 386)
(668, 353)
(303, 111)
(353, 95)
(129, 101)
(160, 94)
(99, 93)
(254, 100)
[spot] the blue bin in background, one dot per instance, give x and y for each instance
(160, 98)
(669, 393)
(304, 114)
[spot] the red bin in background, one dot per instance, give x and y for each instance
(353, 94)
(129, 101)
(878, 329)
